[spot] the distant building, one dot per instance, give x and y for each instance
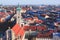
(9, 35)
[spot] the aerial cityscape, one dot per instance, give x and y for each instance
(29, 20)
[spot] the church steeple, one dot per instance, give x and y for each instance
(18, 8)
(19, 15)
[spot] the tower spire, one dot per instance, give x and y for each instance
(19, 15)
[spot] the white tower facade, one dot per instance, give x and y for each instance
(18, 16)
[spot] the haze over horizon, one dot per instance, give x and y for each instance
(31, 2)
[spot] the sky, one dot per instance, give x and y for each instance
(31, 2)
